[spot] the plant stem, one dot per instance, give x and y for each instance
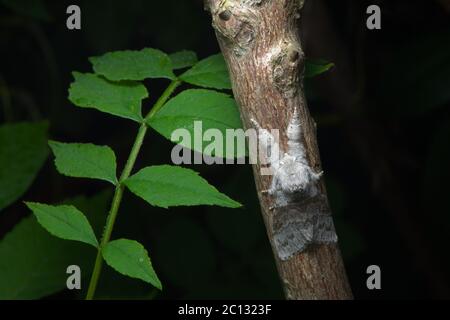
(111, 219)
(162, 100)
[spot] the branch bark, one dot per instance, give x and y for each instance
(261, 44)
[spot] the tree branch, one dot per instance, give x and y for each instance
(260, 42)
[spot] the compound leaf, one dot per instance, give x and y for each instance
(158, 184)
(183, 59)
(85, 160)
(211, 72)
(122, 99)
(130, 258)
(65, 222)
(199, 110)
(133, 65)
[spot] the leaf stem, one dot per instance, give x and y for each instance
(162, 100)
(115, 204)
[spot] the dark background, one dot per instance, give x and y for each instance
(383, 130)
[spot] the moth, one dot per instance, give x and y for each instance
(300, 214)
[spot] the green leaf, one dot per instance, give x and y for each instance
(215, 111)
(167, 186)
(133, 65)
(183, 59)
(315, 67)
(211, 72)
(65, 222)
(131, 259)
(33, 263)
(122, 99)
(23, 151)
(85, 160)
